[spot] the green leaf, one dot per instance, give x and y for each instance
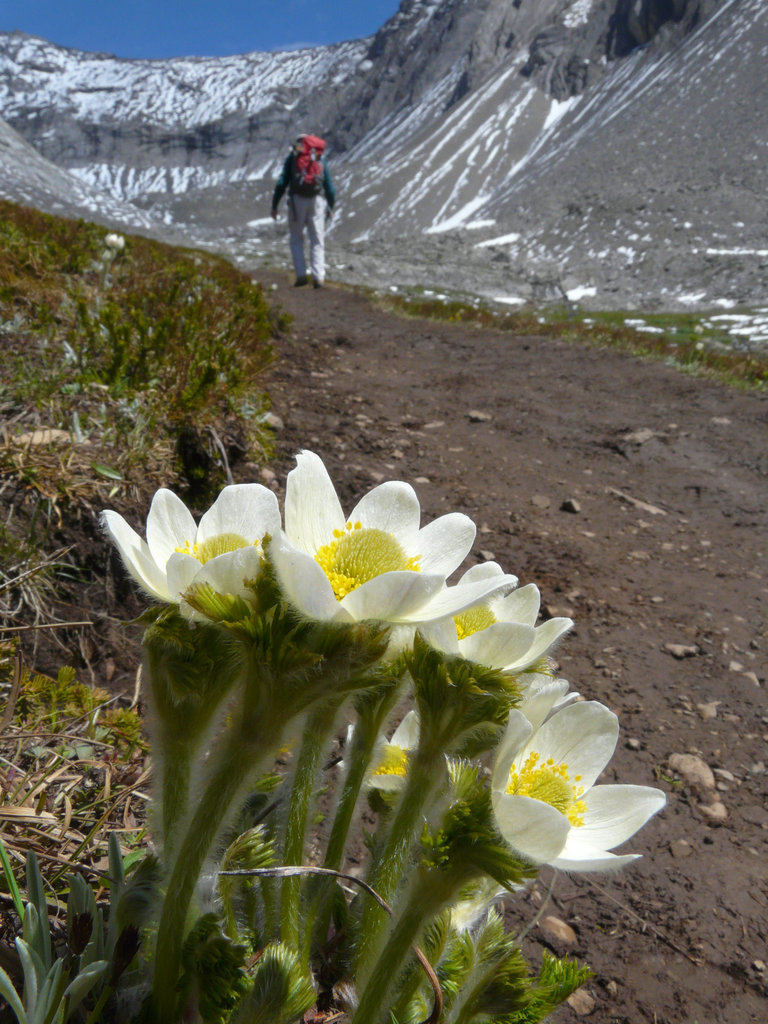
(106, 471)
(13, 888)
(34, 973)
(11, 996)
(80, 986)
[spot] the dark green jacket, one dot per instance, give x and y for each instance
(284, 182)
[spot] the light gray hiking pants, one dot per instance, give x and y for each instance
(307, 212)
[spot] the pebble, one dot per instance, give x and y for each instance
(487, 556)
(707, 711)
(633, 744)
(725, 775)
(694, 771)
(715, 813)
(735, 666)
(478, 416)
(540, 501)
(434, 425)
(680, 848)
(581, 1002)
(267, 475)
(273, 420)
(681, 651)
(752, 677)
(570, 505)
(612, 988)
(558, 930)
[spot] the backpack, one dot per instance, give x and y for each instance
(307, 170)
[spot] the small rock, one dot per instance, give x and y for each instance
(478, 416)
(488, 556)
(694, 771)
(735, 666)
(725, 775)
(581, 1002)
(558, 930)
(540, 501)
(752, 677)
(434, 425)
(758, 768)
(273, 420)
(612, 988)
(680, 848)
(422, 480)
(707, 711)
(681, 651)
(267, 475)
(633, 744)
(639, 436)
(759, 965)
(715, 813)
(570, 505)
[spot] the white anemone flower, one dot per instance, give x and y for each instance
(224, 550)
(500, 631)
(377, 563)
(114, 241)
(544, 795)
(389, 767)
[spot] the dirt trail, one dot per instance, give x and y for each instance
(661, 562)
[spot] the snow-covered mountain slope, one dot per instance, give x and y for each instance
(613, 147)
(31, 180)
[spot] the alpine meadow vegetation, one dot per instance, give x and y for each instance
(346, 761)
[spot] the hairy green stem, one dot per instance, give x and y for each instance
(381, 990)
(391, 864)
(316, 732)
(240, 758)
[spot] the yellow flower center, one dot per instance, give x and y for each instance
(394, 761)
(473, 620)
(550, 783)
(213, 546)
(358, 554)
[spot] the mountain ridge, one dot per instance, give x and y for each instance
(458, 122)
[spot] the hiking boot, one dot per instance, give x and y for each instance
(300, 282)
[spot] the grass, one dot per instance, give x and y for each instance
(124, 369)
(687, 340)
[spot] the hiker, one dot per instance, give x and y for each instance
(305, 176)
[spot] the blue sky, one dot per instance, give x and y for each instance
(206, 28)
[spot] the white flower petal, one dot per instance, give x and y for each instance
(498, 644)
(545, 636)
(614, 813)
(540, 697)
(520, 606)
(392, 507)
(387, 783)
(181, 570)
(135, 555)
(392, 597)
(516, 735)
(248, 510)
(452, 600)
(441, 634)
(481, 571)
(312, 507)
(444, 543)
(169, 526)
(304, 584)
(582, 736)
(228, 573)
(532, 827)
(598, 861)
(406, 735)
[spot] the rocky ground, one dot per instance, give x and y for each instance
(636, 498)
